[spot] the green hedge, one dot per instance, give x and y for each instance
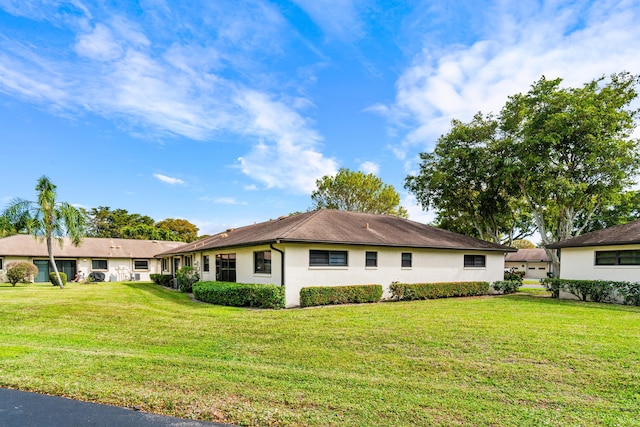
(506, 286)
(326, 295)
(162, 279)
(595, 290)
(240, 294)
(417, 291)
(54, 279)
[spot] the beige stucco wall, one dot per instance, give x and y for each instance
(579, 263)
(121, 268)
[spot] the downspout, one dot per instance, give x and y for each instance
(281, 262)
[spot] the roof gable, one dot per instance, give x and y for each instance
(619, 235)
(341, 227)
(528, 255)
(91, 247)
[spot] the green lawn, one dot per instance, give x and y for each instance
(490, 361)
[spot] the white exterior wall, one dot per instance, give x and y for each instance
(579, 264)
(121, 268)
(428, 265)
(244, 265)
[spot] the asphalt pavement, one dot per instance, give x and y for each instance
(23, 409)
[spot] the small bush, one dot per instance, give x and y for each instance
(240, 294)
(506, 286)
(630, 292)
(417, 291)
(161, 279)
(553, 286)
(187, 276)
(20, 272)
(325, 295)
(514, 275)
(53, 279)
(595, 290)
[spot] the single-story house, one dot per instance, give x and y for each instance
(337, 248)
(117, 259)
(533, 262)
(609, 254)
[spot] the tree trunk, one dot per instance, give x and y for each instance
(53, 262)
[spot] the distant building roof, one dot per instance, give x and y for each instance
(619, 235)
(528, 255)
(91, 247)
(340, 227)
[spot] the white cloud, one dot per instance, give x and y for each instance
(99, 44)
(222, 200)
(287, 156)
(168, 179)
(199, 89)
(370, 167)
(338, 18)
(415, 211)
(555, 41)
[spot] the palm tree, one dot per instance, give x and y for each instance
(48, 219)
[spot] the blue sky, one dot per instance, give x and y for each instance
(226, 112)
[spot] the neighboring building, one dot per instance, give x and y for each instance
(333, 248)
(117, 259)
(609, 254)
(534, 262)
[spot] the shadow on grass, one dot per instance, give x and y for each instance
(537, 299)
(170, 294)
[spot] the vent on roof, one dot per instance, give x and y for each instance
(367, 225)
(282, 217)
(223, 235)
(229, 229)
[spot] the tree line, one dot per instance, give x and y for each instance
(103, 222)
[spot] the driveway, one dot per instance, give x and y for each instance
(22, 409)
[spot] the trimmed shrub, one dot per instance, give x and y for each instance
(506, 286)
(240, 294)
(161, 279)
(630, 292)
(595, 290)
(418, 291)
(326, 295)
(553, 286)
(53, 279)
(514, 275)
(21, 271)
(187, 276)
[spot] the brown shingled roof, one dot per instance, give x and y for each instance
(619, 235)
(340, 227)
(528, 255)
(27, 245)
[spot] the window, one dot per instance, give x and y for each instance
(371, 259)
(262, 262)
(406, 259)
(187, 260)
(140, 264)
(205, 263)
(0, 263)
(99, 264)
(226, 267)
(165, 264)
(475, 261)
(328, 258)
(617, 257)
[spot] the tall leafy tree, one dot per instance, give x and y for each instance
(570, 151)
(48, 219)
(107, 222)
(357, 191)
(183, 229)
(461, 179)
(148, 232)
